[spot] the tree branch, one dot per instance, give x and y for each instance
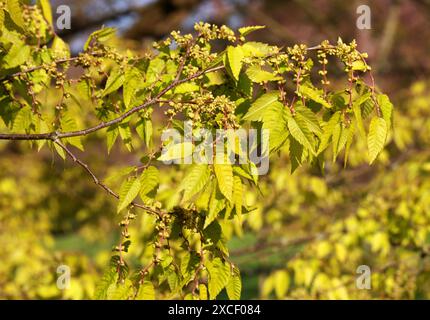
(58, 135)
(100, 183)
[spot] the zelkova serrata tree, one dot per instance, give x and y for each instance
(214, 79)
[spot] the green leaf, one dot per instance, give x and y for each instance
(235, 60)
(282, 282)
(340, 136)
(144, 130)
(195, 181)
(359, 65)
(255, 49)
(311, 119)
(376, 138)
(60, 48)
(101, 35)
(216, 204)
(177, 151)
(132, 80)
(125, 133)
(17, 55)
(110, 276)
(313, 95)
(247, 30)
(120, 291)
(234, 285)
(238, 195)
(255, 113)
(300, 131)
(146, 291)
(128, 192)
(356, 107)
(46, 10)
(350, 138)
(258, 75)
(224, 176)
(328, 131)
(150, 178)
(114, 81)
(15, 11)
(111, 136)
(386, 109)
(203, 292)
(219, 274)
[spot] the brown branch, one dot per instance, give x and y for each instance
(56, 135)
(100, 183)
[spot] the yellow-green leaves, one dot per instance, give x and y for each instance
(247, 30)
(195, 181)
(238, 195)
(258, 75)
(15, 12)
(128, 192)
(257, 109)
(146, 291)
(235, 60)
(17, 55)
(300, 131)
(386, 108)
(46, 10)
(314, 95)
(177, 151)
(234, 285)
(114, 82)
(219, 274)
(376, 138)
(224, 176)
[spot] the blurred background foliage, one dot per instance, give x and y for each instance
(310, 230)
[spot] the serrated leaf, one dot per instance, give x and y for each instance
(146, 291)
(144, 130)
(300, 131)
(238, 195)
(376, 137)
(177, 151)
(234, 285)
(114, 81)
(216, 204)
(46, 10)
(224, 176)
(120, 291)
(350, 138)
(247, 30)
(235, 60)
(128, 192)
(132, 80)
(111, 136)
(18, 54)
(386, 109)
(356, 107)
(15, 11)
(219, 274)
(328, 132)
(313, 95)
(110, 276)
(258, 75)
(195, 181)
(150, 178)
(340, 136)
(255, 113)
